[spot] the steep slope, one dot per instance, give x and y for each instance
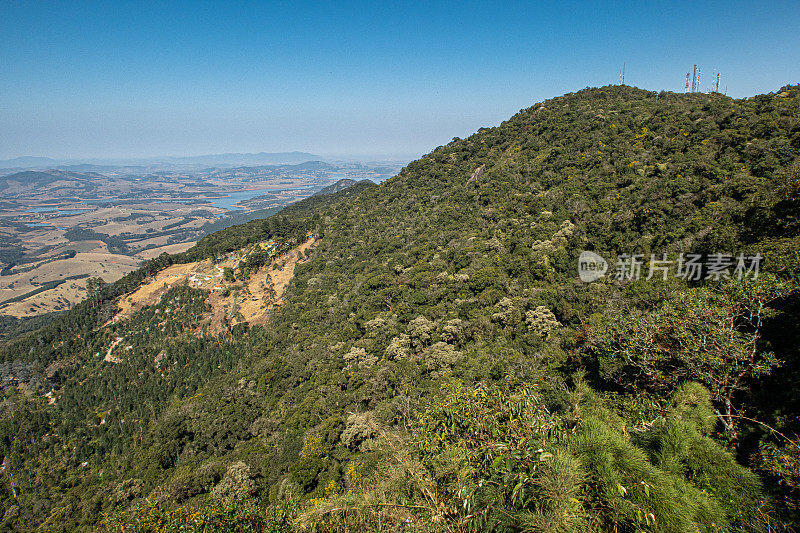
(461, 274)
(337, 187)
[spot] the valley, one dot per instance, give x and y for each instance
(59, 228)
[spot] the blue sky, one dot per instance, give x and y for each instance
(129, 79)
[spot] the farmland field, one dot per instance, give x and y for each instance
(60, 228)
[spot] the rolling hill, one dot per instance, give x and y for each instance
(25, 182)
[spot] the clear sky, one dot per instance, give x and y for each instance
(128, 79)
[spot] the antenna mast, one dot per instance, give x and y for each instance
(686, 87)
(694, 79)
(716, 84)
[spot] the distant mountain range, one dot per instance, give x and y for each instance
(230, 159)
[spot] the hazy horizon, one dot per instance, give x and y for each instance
(171, 157)
(94, 80)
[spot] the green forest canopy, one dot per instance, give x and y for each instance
(439, 363)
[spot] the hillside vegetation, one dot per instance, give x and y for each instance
(438, 365)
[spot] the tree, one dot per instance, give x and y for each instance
(94, 284)
(709, 335)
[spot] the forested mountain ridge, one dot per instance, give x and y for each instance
(438, 364)
(337, 187)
